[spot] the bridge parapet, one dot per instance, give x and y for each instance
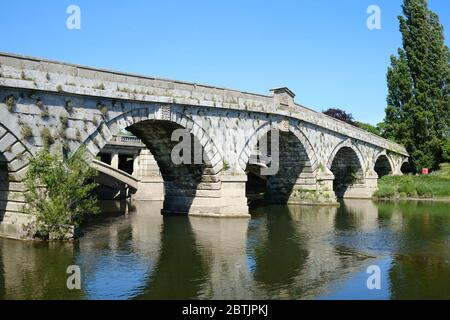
(39, 74)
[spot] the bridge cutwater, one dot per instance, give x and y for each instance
(86, 106)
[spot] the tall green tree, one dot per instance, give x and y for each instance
(418, 104)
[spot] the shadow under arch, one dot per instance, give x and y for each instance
(253, 141)
(383, 166)
(407, 168)
(346, 166)
(296, 165)
(280, 243)
(182, 183)
(4, 185)
(188, 187)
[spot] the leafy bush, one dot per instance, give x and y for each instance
(386, 191)
(58, 193)
(424, 190)
(426, 186)
(407, 188)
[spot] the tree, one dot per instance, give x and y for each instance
(58, 193)
(340, 115)
(368, 127)
(418, 103)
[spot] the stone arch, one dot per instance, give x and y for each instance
(347, 167)
(188, 187)
(296, 169)
(4, 185)
(262, 130)
(97, 139)
(14, 159)
(383, 164)
(350, 144)
(406, 167)
(14, 152)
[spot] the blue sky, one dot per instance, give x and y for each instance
(320, 49)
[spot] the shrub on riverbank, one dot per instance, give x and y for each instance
(58, 193)
(436, 184)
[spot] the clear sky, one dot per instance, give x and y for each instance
(320, 49)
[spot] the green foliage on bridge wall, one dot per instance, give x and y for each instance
(100, 86)
(58, 193)
(69, 106)
(78, 135)
(103, 108)
(64, 120)
(26, 132)
(39, 103)
(45, 112)
(10, 102)
(47, 138)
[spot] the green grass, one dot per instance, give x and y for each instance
(437, 184)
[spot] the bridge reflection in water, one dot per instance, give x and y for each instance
(283, 252)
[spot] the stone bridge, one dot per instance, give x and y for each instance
(64, 106)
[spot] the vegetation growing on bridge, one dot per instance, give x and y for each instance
(61, 205)
(419, 186)
(46, 137)
(10, 102)
(26, 132)
(69, 106)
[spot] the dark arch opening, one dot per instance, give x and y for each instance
(184, 182)
(407, 168)
(120, 152)
(383, 166)
(4, 185)
(294, 171)
(347, 171)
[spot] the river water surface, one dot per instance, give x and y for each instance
(282, 252)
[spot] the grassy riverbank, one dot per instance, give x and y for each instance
(434, 185)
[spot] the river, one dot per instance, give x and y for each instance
(282, 252)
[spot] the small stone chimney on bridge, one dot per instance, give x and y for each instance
(284, 98)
